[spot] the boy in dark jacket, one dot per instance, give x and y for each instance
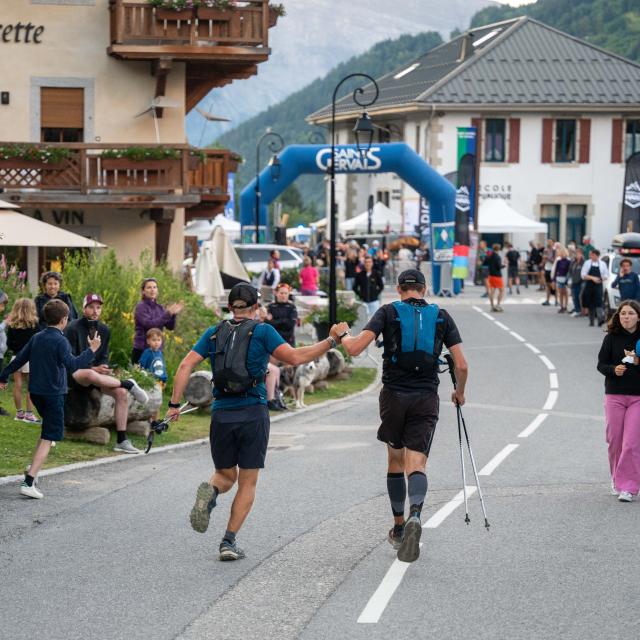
(282, 315)
(627, 281)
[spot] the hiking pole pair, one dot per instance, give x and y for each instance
(160, 426)
(463, 427)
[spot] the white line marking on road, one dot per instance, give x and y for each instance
(502, 326)
(531, 347)
(547, 363)
(478, 309)
(492, 465)
(441, 514)
(538, 420)
(488, 317)
(517, 336)
(380, 599)
(553, 380)
(551, 401)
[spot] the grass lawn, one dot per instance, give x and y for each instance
(17, 439)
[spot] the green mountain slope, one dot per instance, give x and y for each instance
(288, 116)
(611, 24)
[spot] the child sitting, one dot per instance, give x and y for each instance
(152, 358)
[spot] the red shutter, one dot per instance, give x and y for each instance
(547, 140)
(514, 140)
(585, 141)
(616, 140)
(477, 123)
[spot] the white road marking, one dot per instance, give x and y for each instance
(492, 465)
(551, 400)
(533, 426)
(441, 514)
(553, 380)
(547, 363)
(502, 326)
(478, 309)
(488, 317)
(517, 336)
(532, 348)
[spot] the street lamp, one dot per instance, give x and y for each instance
(364, 131)
(276, 143)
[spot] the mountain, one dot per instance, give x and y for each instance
(314, 37)
(288, 116)
(611, 24)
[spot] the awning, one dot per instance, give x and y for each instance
(203, 229)
(382, 218)
(496, 216)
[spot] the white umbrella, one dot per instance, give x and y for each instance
(382, 218)
(203, 229)
(208, 278)
(226, 256)
(496, 216)
(8, 205)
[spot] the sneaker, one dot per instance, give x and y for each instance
(484, 295)
(574, 314)
(499, 309)
(546, 303)
(30, 491)
(614, 491)
(29, 417)
(410, 548)
(4, 412)
(625, 496)
(494, 309)
(395, 537)
(272, 405)
(229, 551)
(518, 291)
(201, 512)
(138, 393)
(126, 447)
(19, 416)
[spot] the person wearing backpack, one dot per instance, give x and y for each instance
(414, 333)
(239, 352)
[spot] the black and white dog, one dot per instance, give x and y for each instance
(296, 380)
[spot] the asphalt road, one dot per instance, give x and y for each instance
(109, 554)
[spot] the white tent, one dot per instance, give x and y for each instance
(203, 229)
(496, 216)
(382, 218)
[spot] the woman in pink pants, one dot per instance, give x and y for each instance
(622, 399)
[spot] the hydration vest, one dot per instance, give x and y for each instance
(229, 349)
(416, 351)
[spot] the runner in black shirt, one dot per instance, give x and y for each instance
(513, 258)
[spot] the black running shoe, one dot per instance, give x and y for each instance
(410, 548)
(230, 551)
(395, 537)
(202, 508)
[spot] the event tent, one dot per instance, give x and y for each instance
(496, 216)
(382, 218)
(203, 229)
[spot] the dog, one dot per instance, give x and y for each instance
(296, 380)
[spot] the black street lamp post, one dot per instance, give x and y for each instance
(364, 131)
(276, 144)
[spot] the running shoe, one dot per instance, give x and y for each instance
(29, 417)
(201, 512)
(499, 309)
(30, 491)
(410, 548)
(546, 303)
(395, 537)
(138, 393)
(19, 416)
(230, 551)
(625, 496)
(126, 447)
(614, 491)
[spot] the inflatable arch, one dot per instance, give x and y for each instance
(396, 157)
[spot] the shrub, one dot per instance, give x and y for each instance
(12, 282)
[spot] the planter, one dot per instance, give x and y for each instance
(19, 163)
(218, 15)
(194, 163)
(113, 164)
(322, 330)
(273, 17)
(170, 14)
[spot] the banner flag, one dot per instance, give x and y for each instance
(630, 220)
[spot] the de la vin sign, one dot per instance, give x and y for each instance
(20, 33)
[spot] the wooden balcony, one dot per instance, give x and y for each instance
(89, 175)
(218, 46)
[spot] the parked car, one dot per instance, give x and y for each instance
(625, 245)
(255, 256)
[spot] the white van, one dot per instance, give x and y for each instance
(625, 245)
(255, 256)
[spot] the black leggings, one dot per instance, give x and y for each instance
(135, 355)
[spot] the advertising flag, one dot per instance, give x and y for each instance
(465, 198)
(630, 220)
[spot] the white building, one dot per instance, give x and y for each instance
(556, 118)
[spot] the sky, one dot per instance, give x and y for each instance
(516, 3)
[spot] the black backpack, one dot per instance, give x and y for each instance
(230, 346)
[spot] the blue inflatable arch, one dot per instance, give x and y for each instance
(396, 157)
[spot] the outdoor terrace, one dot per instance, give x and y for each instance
(116, 175)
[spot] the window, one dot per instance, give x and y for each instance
(494, 140)
(550, 213)
(565, 141)
(576, 222)
(383, 196)
(632, 138)
(61, 114)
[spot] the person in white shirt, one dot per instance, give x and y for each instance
(268, 281)
(594, 273)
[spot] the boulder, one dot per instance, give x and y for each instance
(198, 392)
(337, 363)
(97, 435)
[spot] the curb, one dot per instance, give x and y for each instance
(183, 445)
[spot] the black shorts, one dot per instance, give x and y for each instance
(408, 419)
(512, 272)
(547, 277)
(239, 437)
(51, 410)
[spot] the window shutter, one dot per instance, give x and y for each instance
(585, 140)
(514, 140)
(62, 108)
(616, 140)
(547, 140)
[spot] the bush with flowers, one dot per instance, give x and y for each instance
(13, 282)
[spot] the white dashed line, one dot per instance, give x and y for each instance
(380, 599)
(488, 317)
(517, 336)
(547, 363)
(532, 348)
(502, 326)
(551, 401)
(553, 381)
(533, 426)
(493, 464)
(478, 309)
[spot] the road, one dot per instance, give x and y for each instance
(109, 554)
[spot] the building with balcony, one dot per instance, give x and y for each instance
(556, 119)
(93, 98)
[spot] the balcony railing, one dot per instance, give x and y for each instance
(138, 23)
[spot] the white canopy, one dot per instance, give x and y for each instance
(382, 218)
(496, 216)
(203, 229)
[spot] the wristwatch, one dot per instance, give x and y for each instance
(346, 333)
(332, 342)
(173, 405)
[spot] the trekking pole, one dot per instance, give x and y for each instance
(460, 417)
(160, 426)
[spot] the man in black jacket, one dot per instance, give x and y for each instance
(100, 375)
(283, 315)
(368, 286)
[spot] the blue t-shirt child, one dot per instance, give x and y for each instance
(153, 361)
(264, 341)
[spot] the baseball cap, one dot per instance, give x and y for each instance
(243, 296)
(411, 276)
(89, 298)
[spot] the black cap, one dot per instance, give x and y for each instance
(243, 296)
(412, 276)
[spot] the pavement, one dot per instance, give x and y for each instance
(109, 554)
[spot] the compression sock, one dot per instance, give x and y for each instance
(126, 384)
(397, 489)
(28, 479)
(121, 436)
(417, 492)
(229, 536)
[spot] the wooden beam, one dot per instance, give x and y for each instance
(187, 53)
(163, 219)
(160, 69)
